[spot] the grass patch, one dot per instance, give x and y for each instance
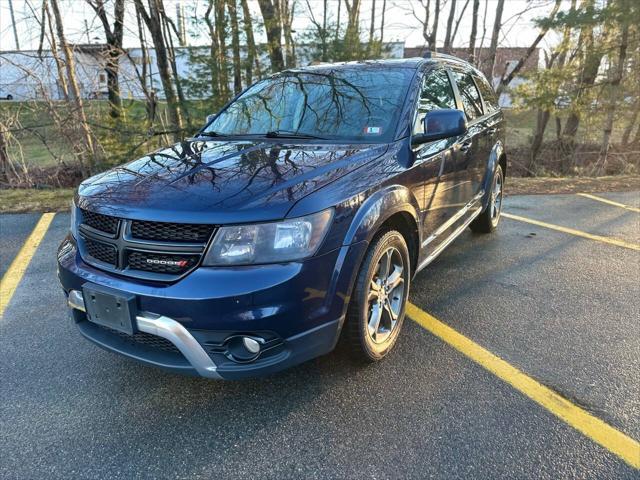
(21, 200)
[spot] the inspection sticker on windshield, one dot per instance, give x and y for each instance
(373, 130)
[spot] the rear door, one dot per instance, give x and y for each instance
(471, 153)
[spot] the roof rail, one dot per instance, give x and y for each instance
(430, 54)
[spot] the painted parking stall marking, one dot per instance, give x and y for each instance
(625, 447)
(16, 270)
(578, 233)
(609, 202)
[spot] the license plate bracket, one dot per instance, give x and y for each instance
(110, 307)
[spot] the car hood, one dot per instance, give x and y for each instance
(221, 181)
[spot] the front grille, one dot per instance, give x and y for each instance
(103, 252)
(144, 338)
(171, 232)
(160, 263)
(151, 250)
(104, 223)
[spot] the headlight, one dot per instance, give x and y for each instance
(276, 242)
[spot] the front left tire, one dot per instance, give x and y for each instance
(377, 308)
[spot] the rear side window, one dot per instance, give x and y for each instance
(470, 95)
(436, 94)
(488, 95)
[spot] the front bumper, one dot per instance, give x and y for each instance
(296, 309)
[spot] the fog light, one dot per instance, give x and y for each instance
(253, 346)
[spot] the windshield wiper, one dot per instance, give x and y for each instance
(211, 134)
(291, 134)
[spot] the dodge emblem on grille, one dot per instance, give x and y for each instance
(173, 263)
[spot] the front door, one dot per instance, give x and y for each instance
(437, 159)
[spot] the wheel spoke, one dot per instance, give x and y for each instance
(374, 286)
(395, 279)
(385, 263)
(374, 320)
(389, 309)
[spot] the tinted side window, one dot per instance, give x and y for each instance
(470, 95)
(488, 95)
(436, 94)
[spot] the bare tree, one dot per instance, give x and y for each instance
(87, 162)
(221, 32)
(270, 10)
(286, 20)
(497, 24)
(384, 9)
(447, 35)
(113, 36)
(252, 53)
(153, 21)
(235, 46)
(506, 79)
(351, 36)
(474, 31)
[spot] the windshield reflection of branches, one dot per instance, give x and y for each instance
(335, 103)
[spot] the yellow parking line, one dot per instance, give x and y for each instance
(610, 202)
(600, 432)
(16, 270)
(578, 233)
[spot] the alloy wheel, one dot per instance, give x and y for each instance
(386, 294)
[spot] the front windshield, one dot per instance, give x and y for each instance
(345, 104)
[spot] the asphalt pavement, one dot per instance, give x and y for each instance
(563, 309)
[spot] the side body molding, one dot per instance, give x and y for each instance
(379, 207)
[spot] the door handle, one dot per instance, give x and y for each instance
(466, 145)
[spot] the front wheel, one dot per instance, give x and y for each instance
(488, 220)
(377, 307)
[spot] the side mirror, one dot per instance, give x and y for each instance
(439, 124)
(210, 117)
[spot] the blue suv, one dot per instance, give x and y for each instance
(295, 218)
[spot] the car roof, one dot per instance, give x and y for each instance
(409, 63)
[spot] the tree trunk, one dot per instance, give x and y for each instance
(168, 38)
(491, 57)
(447, 35)
(87, 161)
(384, 9)
(271, 16)
(235, 46)
(113, 37)
(54, 52)
(286, 16)
(455, 30)
(154, 24)
(252, 53)
(372, 27)
(433, 36)
(352, 35)
(474, 32)
(221, 32)
(213, 51)
(614, 95)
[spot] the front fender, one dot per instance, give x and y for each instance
(376, 209)
(494, 158)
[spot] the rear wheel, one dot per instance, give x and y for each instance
(488, 220)
(377, 307)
